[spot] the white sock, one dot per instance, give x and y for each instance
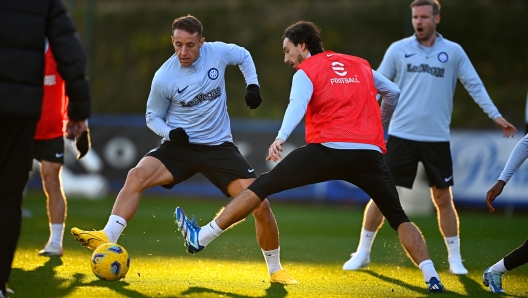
(499, 267)
(208, 233)
(272, 258)
(56, 233)
(365, 242)
(428, 270)
(114, 227)
(453, 248)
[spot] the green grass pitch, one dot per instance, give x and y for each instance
(315, 241)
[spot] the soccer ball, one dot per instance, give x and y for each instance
(110, 261)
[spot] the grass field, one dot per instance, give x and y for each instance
(315, 241)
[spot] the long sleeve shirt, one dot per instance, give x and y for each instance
(194, 97)
(427, 78)
(301, 93)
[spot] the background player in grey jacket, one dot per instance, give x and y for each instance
(492, 276)
(426, 67)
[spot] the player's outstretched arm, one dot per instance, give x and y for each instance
(275, 150)
(493, 193)
(507, 127)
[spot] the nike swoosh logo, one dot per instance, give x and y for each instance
(120, 223)
(59, 155)
(251, 170)
(409, 55)
(329, 55)
(180, 91)
(448, 178)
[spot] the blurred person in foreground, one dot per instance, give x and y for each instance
(344, 136)
(425, 66)
(187, 107)
(492, 276)
(25, 25)
(48, 149)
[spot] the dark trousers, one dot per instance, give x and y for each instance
(315, 163)
(517, 257)
(16, 139)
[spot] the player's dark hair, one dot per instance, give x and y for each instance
(434, 3)
(189, 24)
(307, 33)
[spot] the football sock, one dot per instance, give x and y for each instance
(115, 226)
(453, 248)
(428, 270)
(499, 267)
(365, 242)
(56, 233)
(208, 232)
(272, 258)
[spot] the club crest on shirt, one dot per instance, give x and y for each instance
(442, 57)
(213, 73)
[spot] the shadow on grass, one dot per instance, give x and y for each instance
(418, 290)
(474, 288)
(30, 283)
(275, 290)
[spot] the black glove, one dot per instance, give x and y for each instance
(253, 99)
(83, 143)
(178, 136)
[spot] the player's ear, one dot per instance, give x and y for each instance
(202, 40)
(437, 19)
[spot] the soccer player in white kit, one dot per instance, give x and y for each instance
(425, 67)
(492, 276)
(187, 107)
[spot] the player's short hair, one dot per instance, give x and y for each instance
(434, 3)
(307, 33)
(189, 24)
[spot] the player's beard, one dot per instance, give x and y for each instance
(299, 59)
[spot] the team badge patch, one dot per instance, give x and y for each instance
(442, 57)
(213, 73)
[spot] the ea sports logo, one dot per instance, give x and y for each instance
(339, 69)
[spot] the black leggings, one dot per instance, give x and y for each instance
(315, 163)
(517, 257)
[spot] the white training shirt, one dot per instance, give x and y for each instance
(194, 97)
(427, 80)
(301, 93)
(517, 157)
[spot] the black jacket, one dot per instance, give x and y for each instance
(24, 26)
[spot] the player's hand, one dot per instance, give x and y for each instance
(178, 136)
(494, 192)
(253, 98)
(507, 127)
(275, 150)
(83, 143)
(74, 128)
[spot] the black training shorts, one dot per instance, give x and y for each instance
(315, 163)
(221, 164)
(403, 155)
(49, 150)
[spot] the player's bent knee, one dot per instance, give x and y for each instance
(263, 209)
(395, 222)
(136, 178)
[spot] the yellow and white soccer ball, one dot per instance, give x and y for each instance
(110, 261)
